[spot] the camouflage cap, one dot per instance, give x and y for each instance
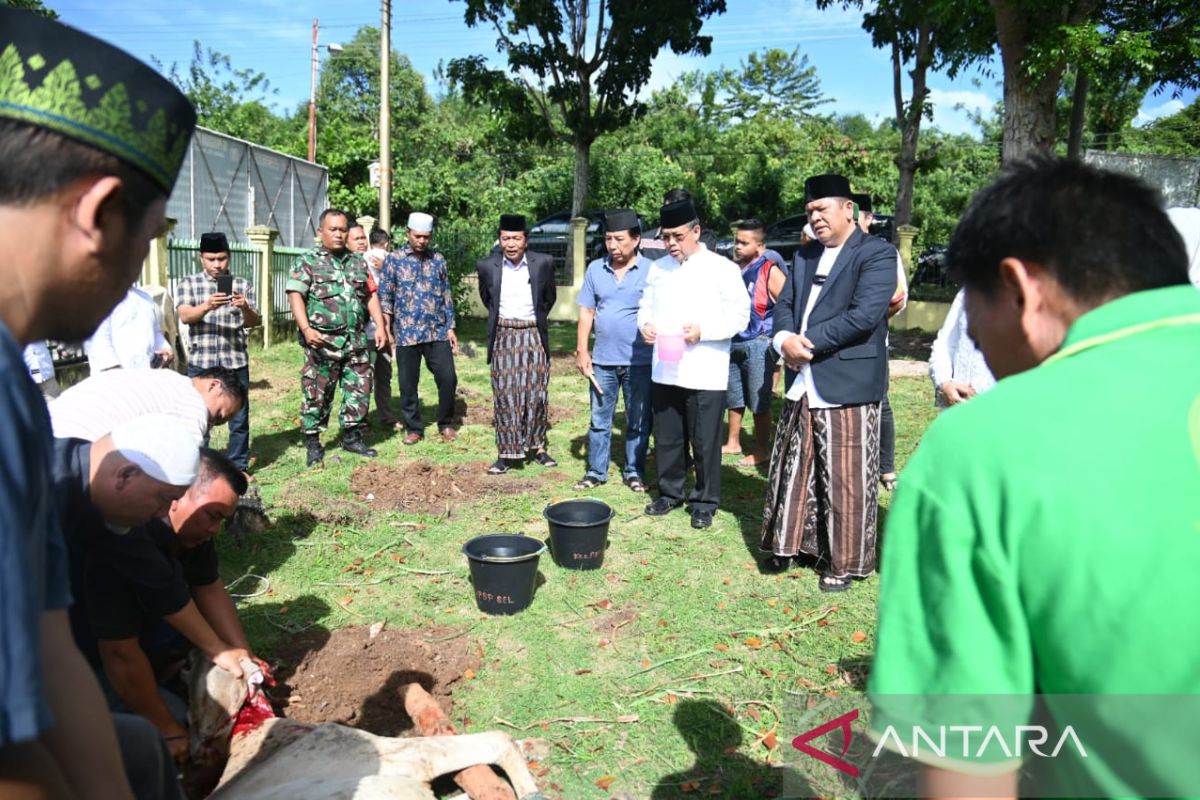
(61, 79)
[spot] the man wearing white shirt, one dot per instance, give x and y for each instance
(831, 325)
(694, 302)
(131, 337)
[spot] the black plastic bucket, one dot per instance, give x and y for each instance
(578, 532)
(503, 571)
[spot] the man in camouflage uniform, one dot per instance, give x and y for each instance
(330, 299)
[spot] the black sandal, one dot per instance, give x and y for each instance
(545, 460)
(637, 484)
(587, 484)
(499, 468)
(832, 583)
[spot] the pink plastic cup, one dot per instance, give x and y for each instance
(670, 347)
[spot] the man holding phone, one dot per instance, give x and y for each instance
(218, 308)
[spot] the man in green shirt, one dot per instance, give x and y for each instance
(330, 299)
(1046, 536)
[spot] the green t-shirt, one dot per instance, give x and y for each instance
(1046, 539)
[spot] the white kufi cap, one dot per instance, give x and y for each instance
(419, 222)
(162, 446)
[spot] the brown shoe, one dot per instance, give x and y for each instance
(449, 434)
(413, 438)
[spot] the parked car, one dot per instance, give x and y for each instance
(551, 235)
(784, 236)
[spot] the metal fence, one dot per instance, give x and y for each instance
(183, 259)
(281, 264)
(226, 184)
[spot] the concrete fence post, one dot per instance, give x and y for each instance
(578, 250)
(263, 238)
(906, 234)
(156, 269)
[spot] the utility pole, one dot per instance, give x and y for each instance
(385, 116)
(312, 100)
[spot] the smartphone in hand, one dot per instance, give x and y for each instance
(225, 284)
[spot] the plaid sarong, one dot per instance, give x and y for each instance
(520, 382)
(822, 487)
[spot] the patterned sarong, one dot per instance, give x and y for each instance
(822, 488)
(520, 380)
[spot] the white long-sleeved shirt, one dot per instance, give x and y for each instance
(804, 383)
(129, 337)
(954, 356)
(706, 290)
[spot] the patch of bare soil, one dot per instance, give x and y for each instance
(913, 343)
(349, 678)
(472, 408)
(422, 487)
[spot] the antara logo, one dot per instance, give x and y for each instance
(801, 742)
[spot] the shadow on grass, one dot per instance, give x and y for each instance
(263, 553)
(714, 739)
(270, 447)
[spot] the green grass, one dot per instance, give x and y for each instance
(691, 603)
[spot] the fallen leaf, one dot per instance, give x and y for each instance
(770, 740)
(604, 604)
(858, 636)
(754, 714)
(645, 662)
(647, 577)
(787, 609)
(823, 623)
(283, 609)
(727, 581)
(469, 675)
(748, 565)
(605, 782)
(688, 787)
(772, 602)
(733, 748)
(662, 623)
(753, 643)
(831, 669)
(671, 699)
(721, 648)
(602, 643)
(583, 672)
(347, 600)
(766, 672)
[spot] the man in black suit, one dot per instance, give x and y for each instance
(517, 288)
(830, 326)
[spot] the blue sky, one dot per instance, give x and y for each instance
(274, 36)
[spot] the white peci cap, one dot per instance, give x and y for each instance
(419, 222)
(162, 446)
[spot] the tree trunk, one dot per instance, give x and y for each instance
(1078, 106)
(579, 195)
(909, 121)
(1029, 103)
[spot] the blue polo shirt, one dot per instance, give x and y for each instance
(33, 559)
(618, 342)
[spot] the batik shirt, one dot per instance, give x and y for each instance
(415, 292)
(335, 294)
(219, 339)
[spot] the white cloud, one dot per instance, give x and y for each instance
(952, 109)
(1147, 114)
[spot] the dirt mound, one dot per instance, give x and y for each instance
(422, 487)
(349, 678)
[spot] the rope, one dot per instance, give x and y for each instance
(265, 586)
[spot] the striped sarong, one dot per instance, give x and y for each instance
(520, 381)
(822, 488)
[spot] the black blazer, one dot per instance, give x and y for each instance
(541, 285)
(848, 325)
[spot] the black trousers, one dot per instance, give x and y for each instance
(887, 438)
(683, 417)
(383, 388)
(439, 358)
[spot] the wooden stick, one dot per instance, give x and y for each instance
(624, 720)
(592, 378)
(479, 781)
